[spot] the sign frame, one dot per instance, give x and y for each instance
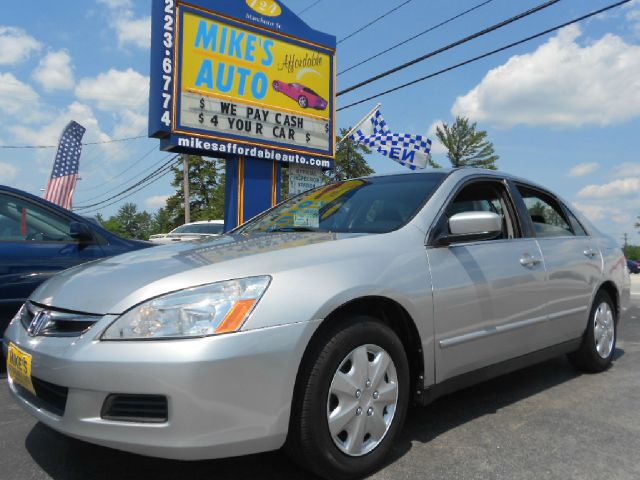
(166, 81)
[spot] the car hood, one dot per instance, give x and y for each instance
(113, 285)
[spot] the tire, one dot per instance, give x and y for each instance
(599, 341)
(303, 101)
(276, 86)
(340, 455)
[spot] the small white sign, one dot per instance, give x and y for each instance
(303, 178)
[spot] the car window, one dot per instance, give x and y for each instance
(575, 224)
(489, 196)
(22, 221)
(547, 217)
(370, 205)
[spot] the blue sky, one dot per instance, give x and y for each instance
(563, 110)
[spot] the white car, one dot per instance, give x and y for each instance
(190, 231)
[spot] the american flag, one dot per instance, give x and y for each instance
(65, 167)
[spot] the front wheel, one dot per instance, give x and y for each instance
(599, 341)
(303, 102)
(351, 400)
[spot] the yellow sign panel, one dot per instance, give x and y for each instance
(238, 64)
(19, 367)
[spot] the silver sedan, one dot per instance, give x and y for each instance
(314, 326)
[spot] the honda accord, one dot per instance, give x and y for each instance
(316, 324)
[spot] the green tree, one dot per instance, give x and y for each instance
(206, 190)
(162, 222)
(131, 223)
(633, 252)
(466, 145)
(350, 161)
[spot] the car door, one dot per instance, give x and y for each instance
(34, 244)
(572, 260)
(486, 294)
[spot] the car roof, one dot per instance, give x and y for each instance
(463, 172)
(40, 200)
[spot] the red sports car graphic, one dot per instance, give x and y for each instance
(305, 97)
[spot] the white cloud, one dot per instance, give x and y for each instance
(15, 45)
(117, 3)
(616, 188)
(129, 28)
(49, 133)
(115, 90)
(16, 96)
(592, 212)
(130, 124)
(156, 201)
(136, 31)
(55, 72)
(627, 169)
(7, 172)
(583, 169)
(560, 83)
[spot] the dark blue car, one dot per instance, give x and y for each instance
(39, 239)
(634, 266)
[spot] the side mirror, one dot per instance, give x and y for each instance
(80, 232)
(472, 227)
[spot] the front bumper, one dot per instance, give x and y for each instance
(227, 395)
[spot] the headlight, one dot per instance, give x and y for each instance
(212, 309)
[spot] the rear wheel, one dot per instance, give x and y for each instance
(351, 400)
(276, 85)
(598, 344)
(303, 102)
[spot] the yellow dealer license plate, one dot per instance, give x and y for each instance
(19, 367)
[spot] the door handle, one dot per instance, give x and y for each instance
(590, 252)
(529, 261)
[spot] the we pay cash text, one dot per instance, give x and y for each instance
(214, 115)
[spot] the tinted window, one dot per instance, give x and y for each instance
(577, 226)
(22, 221)
(547, 217)
(373, 205)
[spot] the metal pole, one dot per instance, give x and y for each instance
(364, 119)
(185, 183)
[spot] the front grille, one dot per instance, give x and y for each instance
(49, 397)
(55, 323)
(135, 408)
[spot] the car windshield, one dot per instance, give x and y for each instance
(211, 228)
(371, 205)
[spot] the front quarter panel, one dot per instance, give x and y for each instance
(391, 265)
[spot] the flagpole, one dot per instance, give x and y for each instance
(344, 137)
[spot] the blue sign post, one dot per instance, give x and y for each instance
(247, 81)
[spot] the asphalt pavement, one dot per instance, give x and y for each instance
(544, 422)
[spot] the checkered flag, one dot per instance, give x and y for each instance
(65, 167)
(412, 151)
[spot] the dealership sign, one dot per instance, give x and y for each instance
(233, 77)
